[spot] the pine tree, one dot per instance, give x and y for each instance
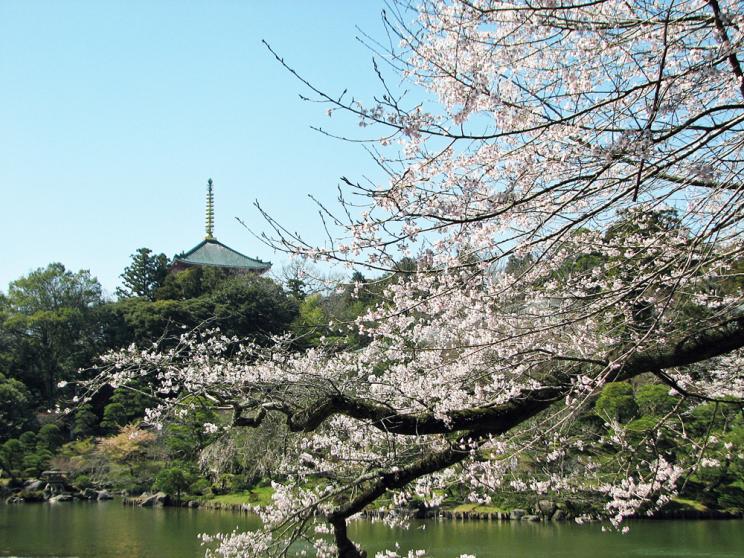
(144, 275)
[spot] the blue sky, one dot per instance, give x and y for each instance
(114, 114)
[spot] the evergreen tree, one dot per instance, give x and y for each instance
(53, 288)
(16, 412)
(144, 275)
(48, 328)
(85, 421)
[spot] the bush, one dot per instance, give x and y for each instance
(173, 480)
(202, 487)
(85, 422)
(82, 482)
(654, 400)
(616, 403)
(49, 437)
(114, 417)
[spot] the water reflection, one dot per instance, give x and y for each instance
(110, 530)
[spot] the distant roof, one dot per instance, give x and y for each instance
(213, 253)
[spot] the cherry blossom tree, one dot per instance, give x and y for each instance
(566, 176)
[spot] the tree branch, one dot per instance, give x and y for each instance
(498, 419)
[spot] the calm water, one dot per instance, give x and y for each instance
(108, 530)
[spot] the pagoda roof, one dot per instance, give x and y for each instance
(211, 252)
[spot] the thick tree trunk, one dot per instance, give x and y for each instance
(346, 548)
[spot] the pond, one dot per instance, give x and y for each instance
(108, 530)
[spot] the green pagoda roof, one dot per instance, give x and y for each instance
(211, 252)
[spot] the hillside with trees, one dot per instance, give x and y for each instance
(54, 323)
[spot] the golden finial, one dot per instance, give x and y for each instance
(210, 211)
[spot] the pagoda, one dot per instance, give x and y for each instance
(212, 253)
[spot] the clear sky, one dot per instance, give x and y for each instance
(115, 113)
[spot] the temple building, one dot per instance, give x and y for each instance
(212, 253)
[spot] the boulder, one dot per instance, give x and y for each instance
(89, 494)
(33, 484)
(149, 501)
(104, 495)
(531, 518)
(163, 499)
(31, 495)
(559, 515)
(155, 500)
(546, 507)
(60, 498)
(575, 508)
(193, 504)
(517, 514)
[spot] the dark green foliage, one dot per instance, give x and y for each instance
(114, 417)
(28, 440)
(30, 454)
(616, 403)
(192, 283)
(718, 480)
(297, 289)
(48, 326)
(82, 482)
(44, 339)
(85, 422)
(654, 400)
(657, 221)
(34, 463)
(200, 487)
(174, 479)
(54, 322)
(658, 423)
(53, 288)
(702, 417)
(246, 306)
(49, 437)
(148, 321)
(12, 453)
(185, 437)
(341, 308)
(252, 306)
(144, 275)
(16, 408)
(126, 405)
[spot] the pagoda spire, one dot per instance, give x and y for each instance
(210, 211)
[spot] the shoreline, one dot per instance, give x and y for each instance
(541, 511)
(450, 514)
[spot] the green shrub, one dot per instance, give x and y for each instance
(654, 400)
(201, 487)
(173, 480)
(85, 422)
(83, 482)
(616, 403)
